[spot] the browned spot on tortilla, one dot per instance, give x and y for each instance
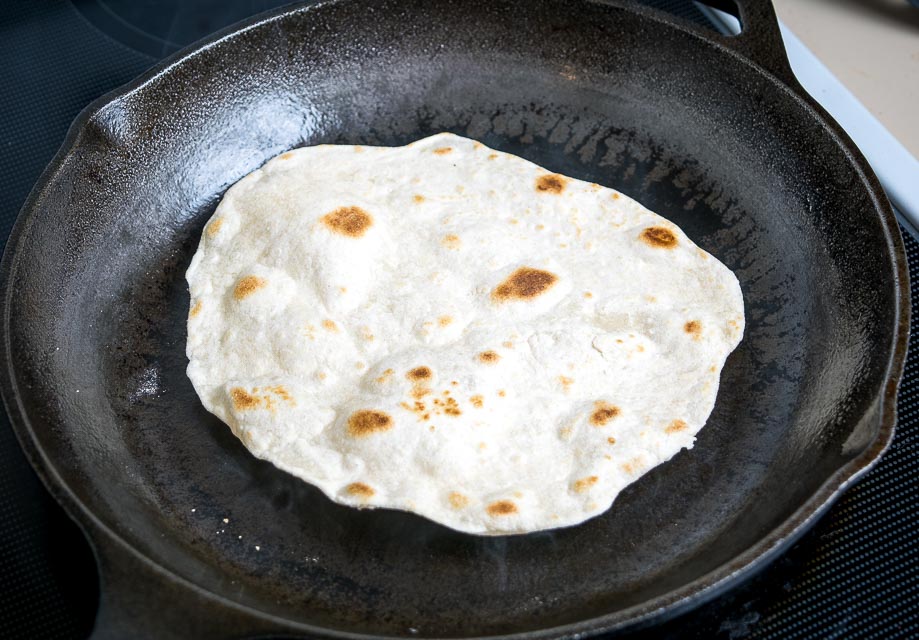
(514, 221)
(322, 375)
(502, 393)
(330, 325)
(195, 310)
(365, 422)
(348, 221)
(501, 508)
(659, 237)
(442, 151)
(489, 357)
(492, 156)
(360, 490)
(675, 427)
(584, 484)
(565, 381)
(419, 391)
(243, 400)
(451, 241)
(358, 149)
(458, 500)
(385, 376)
(359, 365)
(507, 344)
(551, 183)
(418, 198)
(713, 368)
(611, 440)
(632, 466)
(615, 196)
(640, 348)
(214, 227)
(603, 413)
(693, 328)
(476, 401)
(342, 290)
(444, 320)
(540, 227)
(247, 286)
(588, 294)
(523, 284)
(419, 373)
(286, 156)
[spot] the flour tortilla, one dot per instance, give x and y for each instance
(454, 331)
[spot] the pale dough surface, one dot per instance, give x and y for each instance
(455, 331)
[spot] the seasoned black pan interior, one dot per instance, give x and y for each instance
(99, 303)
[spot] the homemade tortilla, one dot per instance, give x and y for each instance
(454, 331)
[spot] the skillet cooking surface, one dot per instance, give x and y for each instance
(703, 138)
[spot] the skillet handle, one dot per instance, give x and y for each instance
(138, 600)
(760, 39)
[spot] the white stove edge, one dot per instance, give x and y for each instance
(895, 167)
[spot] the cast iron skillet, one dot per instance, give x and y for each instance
(712, 132)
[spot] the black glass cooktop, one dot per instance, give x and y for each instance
(856, 574)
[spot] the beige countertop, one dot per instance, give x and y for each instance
(872, 46)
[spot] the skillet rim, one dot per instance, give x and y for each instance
(665, 606)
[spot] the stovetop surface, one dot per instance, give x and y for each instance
(855, 574)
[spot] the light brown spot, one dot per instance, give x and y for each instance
(659, 237)
(348, 221)
(476, 401)
(514, 221)
(507, 344)
(640, 348)
(195, 310)
(675, 427)
(418, 198)
(489, 357)
(419, 391)
(584, 484)
(442, 151)
(588, 294)
(360, 490)
(214, 227)
(244, 401)
(322, 375)
(419, 373)
(632, 466)
(287, 156)
(502, 393)
(492, 156)
(693, 328)
(566, 382)
(603, 413)
(451, 241)
(444, 321)
(615, 196)
(365, 422)
(611, 440)
(330, 325)
(501, 508)
(540, 227)
(551, 183)
(342, 290)
(458, 500)
(247, 286)
(385, 376)
(713, 368)
(525, 283)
